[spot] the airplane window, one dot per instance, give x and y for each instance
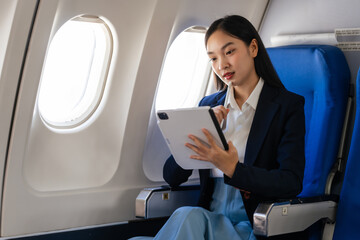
(186, 71)
(74, 73)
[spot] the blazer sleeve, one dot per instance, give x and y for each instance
(173, 174)
(279, 168)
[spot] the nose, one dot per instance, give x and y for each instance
(223, 64)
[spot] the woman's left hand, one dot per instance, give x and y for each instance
(224, 160)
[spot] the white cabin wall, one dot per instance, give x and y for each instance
(312, 16)
(15, 22)
(203, 13)
(111, 202)
(7, 11)
(141, 42)
(308, 16)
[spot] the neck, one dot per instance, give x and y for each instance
(242, 92)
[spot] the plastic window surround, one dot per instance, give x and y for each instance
(171, 94)
(75, 72)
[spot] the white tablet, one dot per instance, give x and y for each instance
(177, 124)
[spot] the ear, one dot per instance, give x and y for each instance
(253, 48)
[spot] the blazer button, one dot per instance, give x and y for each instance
(246, 195)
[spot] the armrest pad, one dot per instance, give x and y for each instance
(163, 201)
(323, 198)
(293, 215)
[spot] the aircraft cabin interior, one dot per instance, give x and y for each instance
(81, 82)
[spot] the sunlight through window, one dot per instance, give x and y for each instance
(75, 72)
(185, 73)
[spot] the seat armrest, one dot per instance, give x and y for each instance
(295, 215)
(163, 201)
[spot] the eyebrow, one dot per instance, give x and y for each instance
(223, 47)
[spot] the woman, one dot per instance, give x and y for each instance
(265, 128)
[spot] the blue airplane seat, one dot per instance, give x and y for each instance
(347, 217)
(321, 74)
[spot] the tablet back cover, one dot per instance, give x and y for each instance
(177, 124)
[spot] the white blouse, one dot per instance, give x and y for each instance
(239, 120)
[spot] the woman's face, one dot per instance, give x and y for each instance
(231, 59)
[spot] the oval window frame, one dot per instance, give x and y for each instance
(203, 80)
(101, 82)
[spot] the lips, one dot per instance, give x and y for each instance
(228, 75)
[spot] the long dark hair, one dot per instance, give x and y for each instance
(240, 28)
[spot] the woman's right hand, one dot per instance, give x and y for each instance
(220, 112)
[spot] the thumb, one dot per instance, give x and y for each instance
(232, 148)
(227, 112)
(231, 145)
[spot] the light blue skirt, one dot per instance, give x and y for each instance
(226, 220)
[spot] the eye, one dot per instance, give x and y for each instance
(212, 59)
(230, 52)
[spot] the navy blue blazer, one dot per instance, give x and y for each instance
(274, 160)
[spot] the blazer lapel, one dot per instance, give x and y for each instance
(264, 114)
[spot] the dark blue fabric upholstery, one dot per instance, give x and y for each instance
(319, 73)
(347, 217)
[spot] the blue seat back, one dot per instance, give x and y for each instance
(319, 73)
(347, 217)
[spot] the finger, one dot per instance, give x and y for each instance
(200, 155)
(197, 157)
(218, 116)
(220, 112)
(232, 148)
(198, 148)
(226, 111)
(199, 143)
(223, 112)
(209, 137)
(231, 145)
(192, 147)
